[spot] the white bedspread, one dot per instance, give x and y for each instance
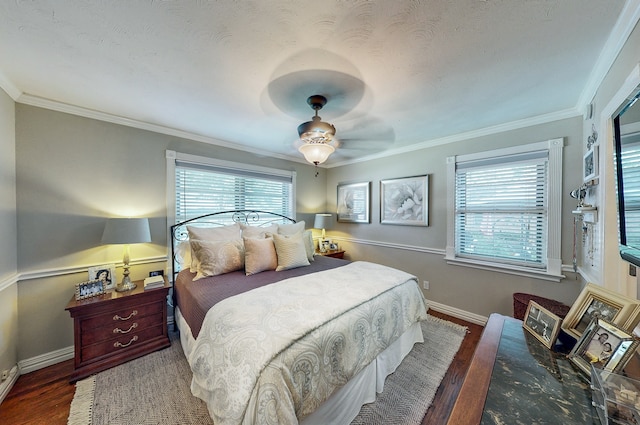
(272, 355)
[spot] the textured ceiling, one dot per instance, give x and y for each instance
(396, 73)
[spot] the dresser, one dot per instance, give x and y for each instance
(514, 379)
(116, 327)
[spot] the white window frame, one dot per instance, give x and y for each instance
(553, 269)
(172, 157)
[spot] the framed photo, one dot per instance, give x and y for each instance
(597, 302)
(405, 201)
(590, 164)
(106, 273)
(88, 289)
(353, 203)
(542, 324)
(605, 346)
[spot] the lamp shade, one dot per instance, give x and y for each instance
(316, 153)
(126, 231)
(323, 221)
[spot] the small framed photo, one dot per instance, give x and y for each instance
(605, 346)
(354, 200)
(598, 302)
(542, 324)
(106, 273)
(88, 289)
(405, 201)
(333, 246)
(590, 164)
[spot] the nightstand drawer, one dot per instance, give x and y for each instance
(120, 317)
(121, 343)
(116, 330)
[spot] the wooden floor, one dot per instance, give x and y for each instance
(44, 396)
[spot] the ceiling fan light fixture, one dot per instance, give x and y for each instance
(316, 153)
(316, 135)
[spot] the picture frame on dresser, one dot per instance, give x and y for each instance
(605, 346)
(596, 301)
(89, 289)
(542, 324)
(106, 273)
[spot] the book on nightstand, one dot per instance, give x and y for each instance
(153, 282)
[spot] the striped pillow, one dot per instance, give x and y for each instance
(291, 251)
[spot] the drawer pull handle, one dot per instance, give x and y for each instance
(120, 331)
(133, 313)
(119, 344)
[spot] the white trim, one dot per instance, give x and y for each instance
(619, 35)
(9, 87)
(47, 359)
(553, 268)
(61, 271)
(514, 125)
(8, 281)
(6, 385)
(456, 312)
(381, 244)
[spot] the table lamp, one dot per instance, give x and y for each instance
(322, 221)
(126, 231)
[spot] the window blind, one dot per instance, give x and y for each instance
(202, 189)
(501, 209)
(631, 177)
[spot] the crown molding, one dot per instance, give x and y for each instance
(9, 87)
(620, 32)
(41, 102)
(487, 131)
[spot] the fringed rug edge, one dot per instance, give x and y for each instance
(81, 412)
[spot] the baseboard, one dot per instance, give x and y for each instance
(44, 360)
(7, 384)
(460, 314)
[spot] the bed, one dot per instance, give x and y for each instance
(293, 339)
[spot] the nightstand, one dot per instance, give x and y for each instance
(116, 327)
(338, 253)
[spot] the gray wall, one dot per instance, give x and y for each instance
(472, 290)
(72, 173)
(8, 236)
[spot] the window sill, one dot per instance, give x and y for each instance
(513, 270)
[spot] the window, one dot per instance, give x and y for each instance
(204, 185)
(505, 209)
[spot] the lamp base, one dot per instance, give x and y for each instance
(125, 285)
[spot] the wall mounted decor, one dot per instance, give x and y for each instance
(590, 164)
(354, 200)
(405, 201)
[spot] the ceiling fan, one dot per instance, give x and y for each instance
(317, 136)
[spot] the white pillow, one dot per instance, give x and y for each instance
(291, 229)
(223, 233)
(309, 246)
(291, 251)
(217, 257)
(259, 255)
(258, 232)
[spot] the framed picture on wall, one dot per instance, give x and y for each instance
(353, 202)
(590, 164)
(405, 201)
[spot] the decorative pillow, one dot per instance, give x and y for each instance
(183, 254)
(291, 251)
(291, 229)
(259, 255)
(223, 233)
(309, 246)
(217, 257)
(258, 232)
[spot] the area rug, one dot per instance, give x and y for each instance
(154, 389)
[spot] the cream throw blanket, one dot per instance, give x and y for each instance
(272, 355)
